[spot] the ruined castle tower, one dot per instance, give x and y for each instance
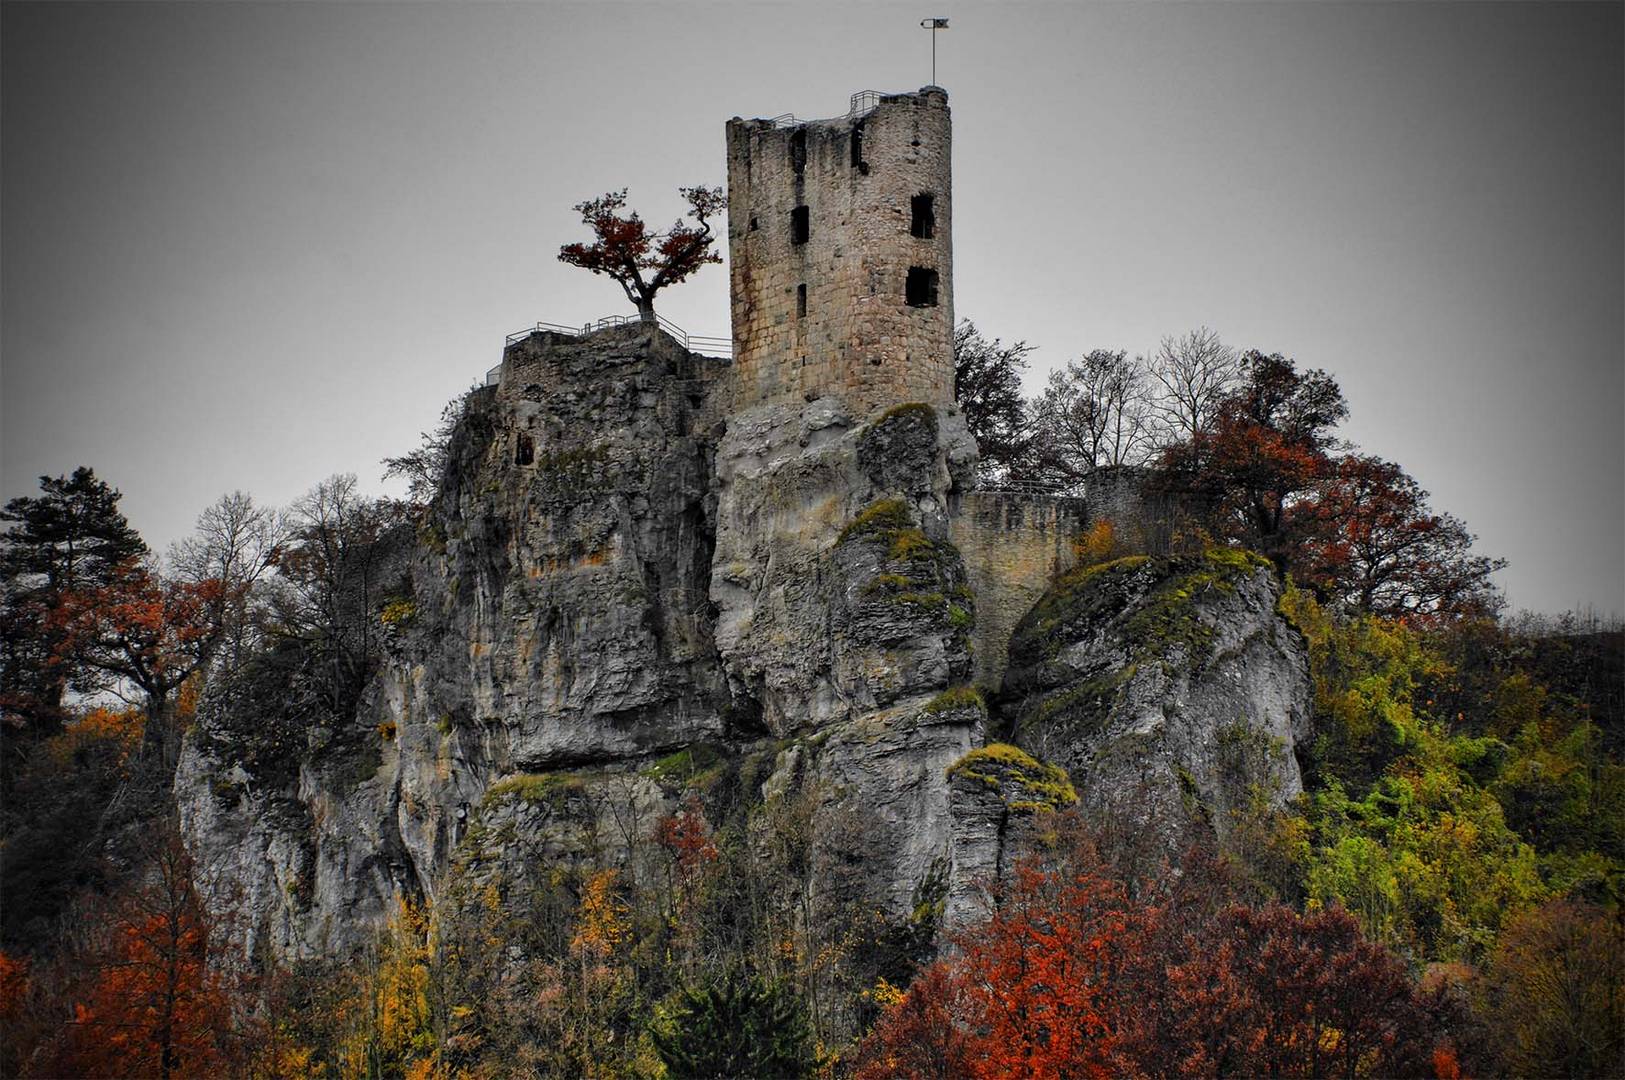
(840, 242)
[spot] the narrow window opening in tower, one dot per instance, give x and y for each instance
(800, 225)
(924, 223)
(798, 151)
(754, 224)
(524, 450)
(801, 301)
(922, 287)
(857, 146)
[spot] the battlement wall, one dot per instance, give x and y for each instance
(1013, 545)
(841, 257)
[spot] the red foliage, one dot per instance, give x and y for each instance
(1072, 978)
(1030, 994)
(625, 249)
(1373, 542)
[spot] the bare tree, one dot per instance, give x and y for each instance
(235, 544)
(1196, 371)
(1095, 413)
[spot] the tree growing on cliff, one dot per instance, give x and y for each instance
(1266, 449)
(643, 262)
(987, 385)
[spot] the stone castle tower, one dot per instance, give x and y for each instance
(840, 243)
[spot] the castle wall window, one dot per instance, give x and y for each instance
(801, 301)
(923, 223)
(857, 147)
(798, 151)
(524, 450)
(754, 225)
(921, 290)
(800, 225)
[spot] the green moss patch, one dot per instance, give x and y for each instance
(553, 789)
(1026, 784)
(690, 766)
(955, 698)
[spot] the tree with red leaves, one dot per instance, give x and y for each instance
(144, 630)
(1029, 994)
(1267, 447)
(640, 261)
(1375, 546)
(1073, 977)
(148, 1004)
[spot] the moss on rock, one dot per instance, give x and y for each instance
(1025, 784)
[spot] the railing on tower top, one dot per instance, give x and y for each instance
(863, 102)
(698, 343)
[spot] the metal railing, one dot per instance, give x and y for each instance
(863, 102)
(705, 345)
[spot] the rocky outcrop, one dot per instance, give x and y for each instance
(844, 615)
(1000, 799)
(1170, 689)
(620, 603)
(552, 612)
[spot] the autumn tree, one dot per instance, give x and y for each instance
(148, 1004)
(987, 386)
(148, 631)
(643, 262)
(1268, 446)
(1374, 545)
(1555, 991)
(69, 538)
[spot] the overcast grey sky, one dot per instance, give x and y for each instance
(249, 246)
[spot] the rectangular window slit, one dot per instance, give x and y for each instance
(921, 290)
(857, 146)
(801, 301)
(800, 225)
(924, 217)
(798, 150)
(524, 451)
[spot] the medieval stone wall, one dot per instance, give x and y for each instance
(1013, 546)
(821, 223)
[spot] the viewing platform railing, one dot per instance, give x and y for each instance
(863, 102)
(722, 347)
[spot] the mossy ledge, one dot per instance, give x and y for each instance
(1166, 621)
(552, 789)
(954, 699)
(1026, 784)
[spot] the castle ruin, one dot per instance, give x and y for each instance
(840, 238)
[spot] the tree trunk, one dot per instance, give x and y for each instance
(646, 310)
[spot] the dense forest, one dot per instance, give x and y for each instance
(1443, 898)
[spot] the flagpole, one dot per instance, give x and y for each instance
(934, 25)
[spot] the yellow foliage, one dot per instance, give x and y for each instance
(603, 921)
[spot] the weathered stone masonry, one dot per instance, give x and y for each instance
(840, 238)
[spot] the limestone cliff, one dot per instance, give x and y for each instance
(625, 599)
(1170, 689)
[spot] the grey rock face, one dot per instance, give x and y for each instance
(843, 617)
(823, 614)
(559, 616)
(1000, 799)
(1169, 689)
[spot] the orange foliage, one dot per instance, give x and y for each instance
(1070, 978)
(1029, 995)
